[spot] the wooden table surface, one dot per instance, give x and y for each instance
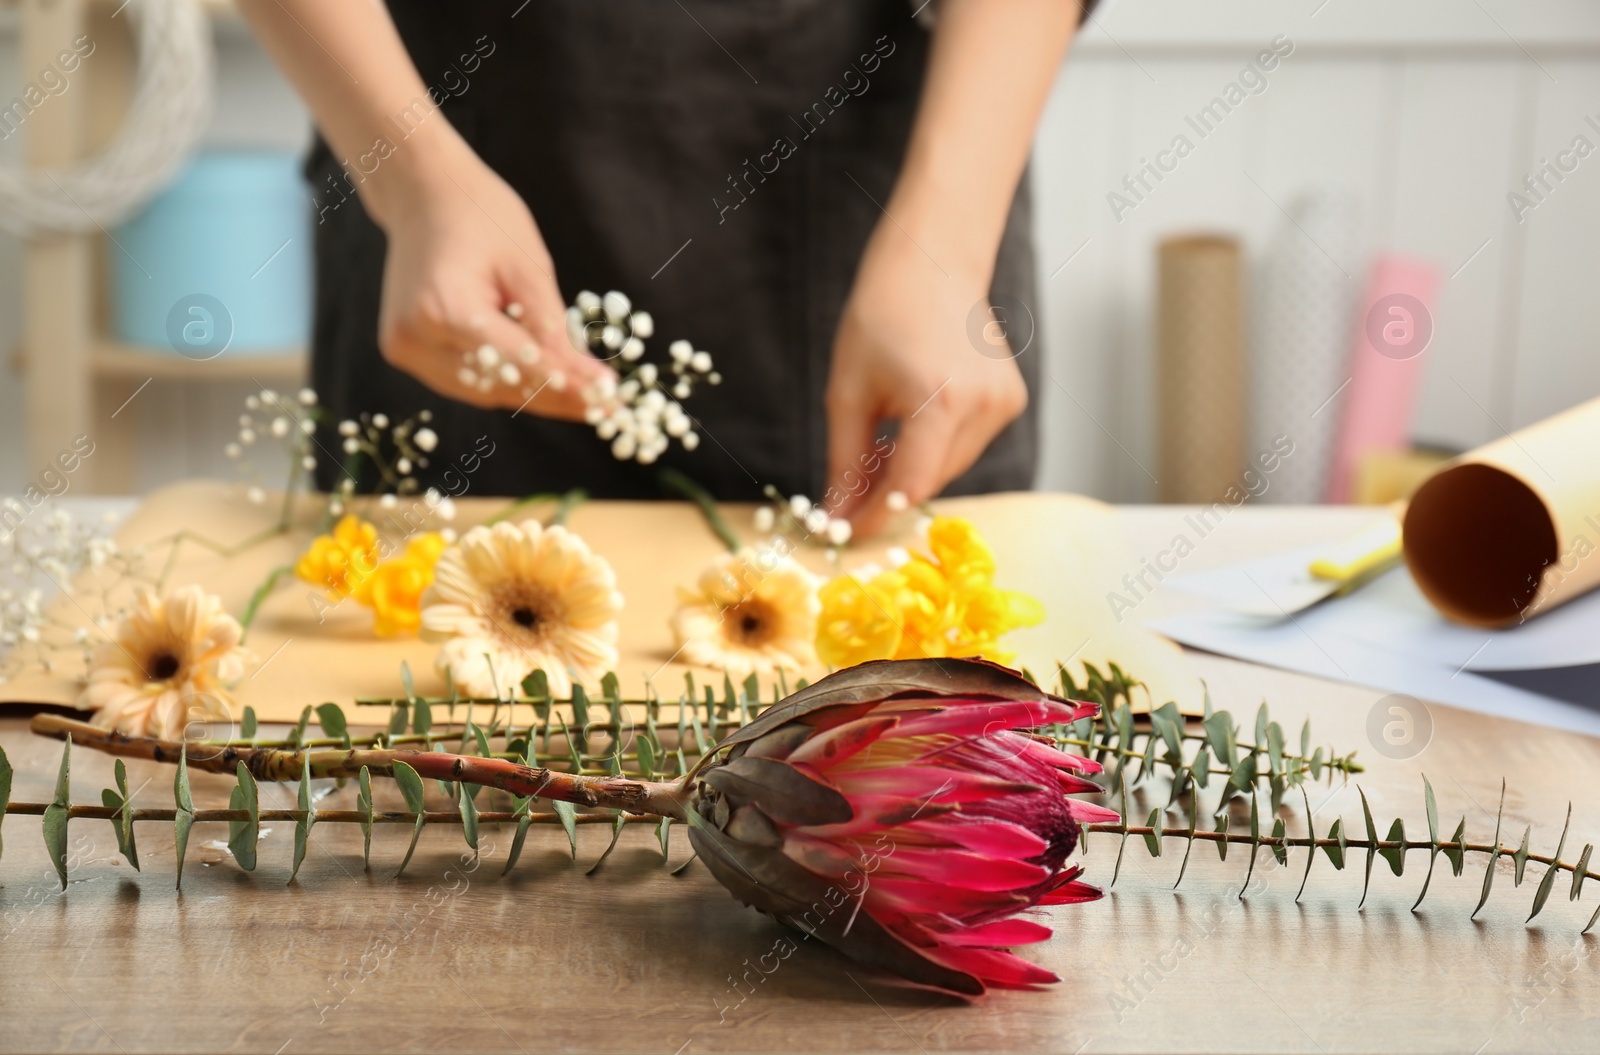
(455, 957)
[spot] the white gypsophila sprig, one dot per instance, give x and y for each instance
(396, 451)
(486, 367)
(59, 554)
(798, 519)
(641, 411)
(283, 421)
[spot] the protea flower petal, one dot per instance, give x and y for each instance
(897, 812)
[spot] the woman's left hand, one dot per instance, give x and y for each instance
(917, 345)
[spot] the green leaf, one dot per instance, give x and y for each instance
(1396, 855)
(1243, 777)
(1261, 726)
(1188, 846)
(1494, 855)
(647, 756)
(1280, 852)
(55, 816)
(5, 790)
(567, 812)
(1222, 844)
(580, 716)
(1275, 746)
(1200, 771)
(406, 681)
(243, 835)
(1255, 842)
(1433, 838)
(184, 817)
(298, 737)
(1336, 852)
(1311, 843)
(524, 811)
(536, 686)
(302, 825)
(1168, 723)
(1152, 839)
(422, 718)
(411, 789)
(1316, 764)
(1457, 855)
(1372, 846)
(481, 737)
(616, 833)
(124, 822)
(664, 834)
(469, 816)
(1521, 856)
(331, 717)
(1122, 844)
(1305, 739)
(364, 805)
(1549, 881)
(1581, 870)
(247, 724)
(399, 718)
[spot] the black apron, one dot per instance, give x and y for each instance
(643, 131)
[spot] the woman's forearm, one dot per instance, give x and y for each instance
(989, 74)
(349, 64)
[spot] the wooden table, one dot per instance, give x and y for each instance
(455, 957)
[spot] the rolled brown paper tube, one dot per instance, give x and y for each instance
(1200, 359)
(1512, 529)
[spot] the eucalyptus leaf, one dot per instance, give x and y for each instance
(1255, 842)
(183, 817)
(1456, 855)
(568, 812)
(422, 718)
(399, 718)
(1521, 857)
(298, 737)
(1222, 844)
(1152, 839)
(5, 790)
(247, 724)
(1580, 871)
(664, 834)
(243, 835)
(364, 805)
(647, 756)
(1549, 881)
(1494, 854)
(407, 682)
(1372, 846)
(469, 817)
(1336, 849)
(302, 825)
(1280, 852)
(524, 811)
(1396, 855)
(616, 833)
(331, 717)
(1311, 844)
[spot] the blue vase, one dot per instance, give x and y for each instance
(220, 261)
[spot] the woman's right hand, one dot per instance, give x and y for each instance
(463, 249)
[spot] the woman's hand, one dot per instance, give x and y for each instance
(463, 249)
(905, 352)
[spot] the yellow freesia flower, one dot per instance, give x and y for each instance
(341, 559)
(394, 590)
(936, 605)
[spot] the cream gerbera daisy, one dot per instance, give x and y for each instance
(751, 611)
(512, 598)
(167, 666)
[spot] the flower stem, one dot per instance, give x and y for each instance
(276, 765)
(569, 501)
(520, 504)
(679, 484)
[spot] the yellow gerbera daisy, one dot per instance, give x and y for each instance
(754, 611)
(512, 598)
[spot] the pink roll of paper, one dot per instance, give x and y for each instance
(1393, 332)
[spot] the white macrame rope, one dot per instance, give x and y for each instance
(170, 106)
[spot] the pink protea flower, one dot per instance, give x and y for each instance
(894, 811)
